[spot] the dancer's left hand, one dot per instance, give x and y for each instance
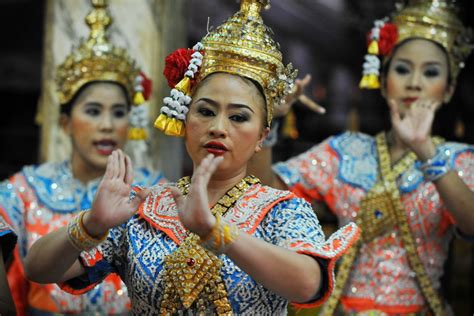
(414, 127)
(298, 95)
(194, 211)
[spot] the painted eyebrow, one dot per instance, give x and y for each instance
(116, 105)
(232, 105)
(428, 63)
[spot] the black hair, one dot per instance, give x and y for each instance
(386, 64)
(66, 108)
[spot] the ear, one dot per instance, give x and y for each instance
(65, 123)
(264, 133)
(449, 92)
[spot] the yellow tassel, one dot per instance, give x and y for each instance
(137, 133)
(370, 81)
(184, 86)
(170, 126)
(373, 48)
(373, 82)
(161, 122)
(362, 83)
(138, 98)
(175, 128)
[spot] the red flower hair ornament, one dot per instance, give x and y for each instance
(381, 40)
(181, 69)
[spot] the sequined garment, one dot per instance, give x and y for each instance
(7, 239)
(136, 249)
(339, 172)
(43, 198)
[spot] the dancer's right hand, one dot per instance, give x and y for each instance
(112, 204)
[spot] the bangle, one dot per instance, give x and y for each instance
(220, 237)
(78, 235)
(435, 167)
(272, 137)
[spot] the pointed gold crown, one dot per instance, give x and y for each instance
(436, 20)
(96, 59)
(242, 46)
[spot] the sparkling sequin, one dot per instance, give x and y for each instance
(346, 180)
(43, 198)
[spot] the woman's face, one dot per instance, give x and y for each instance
(418, 70)
(98, 124)
(226, 118)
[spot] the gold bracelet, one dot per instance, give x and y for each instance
(220, 237)
(78, 235)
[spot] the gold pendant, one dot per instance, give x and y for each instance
(377, 215)
(192, 273)
(191, 268)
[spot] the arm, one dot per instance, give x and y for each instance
(459, 200)
(414, 130)
(294, 276)
(53, 259)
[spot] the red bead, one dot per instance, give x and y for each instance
(190, 262)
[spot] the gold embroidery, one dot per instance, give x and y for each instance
(191, 273)
(384, 198)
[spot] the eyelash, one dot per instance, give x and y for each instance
(239, 118)
(403, 70)
(94, 111)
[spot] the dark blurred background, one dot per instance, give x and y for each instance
(325, 38)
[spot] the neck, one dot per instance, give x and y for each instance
(219, 184)
(396, 146)
(83, 171)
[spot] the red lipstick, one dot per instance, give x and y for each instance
(215, 148)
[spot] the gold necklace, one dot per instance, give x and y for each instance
(191, 273)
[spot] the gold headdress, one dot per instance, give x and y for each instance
(434, 20)
(96, 59)
(243, 45)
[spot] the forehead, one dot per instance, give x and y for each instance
(227, 88)
(102, 91)
(421, 51)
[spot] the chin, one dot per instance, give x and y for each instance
(99, 162)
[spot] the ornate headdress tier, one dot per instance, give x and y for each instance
(243, 46)
(434, 20)
(96, 59)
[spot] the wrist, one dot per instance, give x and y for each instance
(92, 227)
(425, 151)
(206, 227)
(221, 237)
(79, 237)
(435, 167)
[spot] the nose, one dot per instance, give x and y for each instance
(414, 82)
(218, 127)
(106, 122)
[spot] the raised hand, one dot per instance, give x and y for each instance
(414, 127)
(194, 211)
(112, 205)
(298, 95)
